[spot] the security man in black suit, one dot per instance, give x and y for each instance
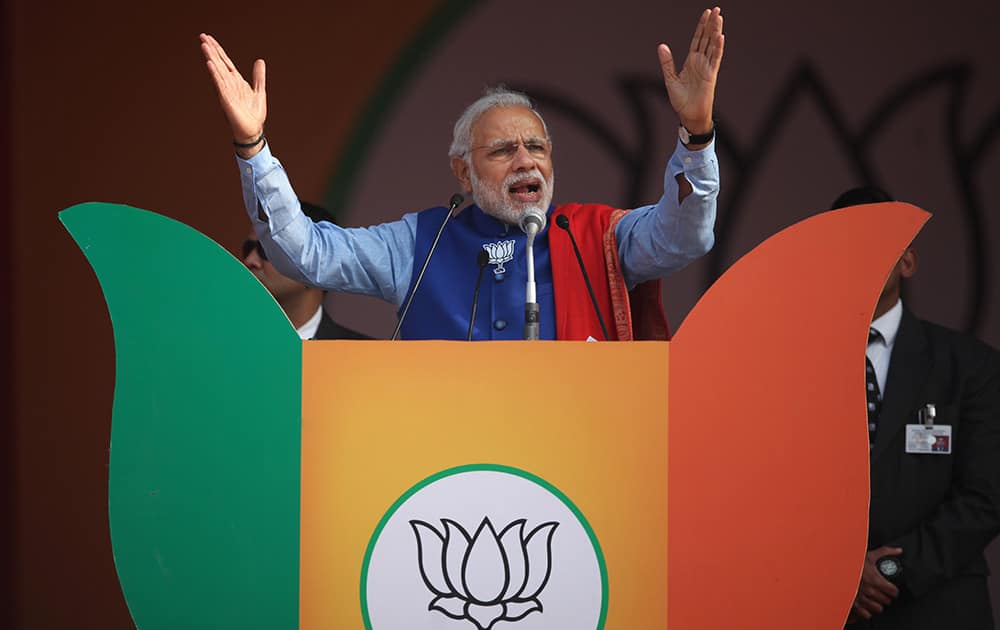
(934, 425)
(302, 304)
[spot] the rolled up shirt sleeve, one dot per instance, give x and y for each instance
(655, 241)
(375, 261)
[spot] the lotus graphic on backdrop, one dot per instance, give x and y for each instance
(488, 577)
(500, 252)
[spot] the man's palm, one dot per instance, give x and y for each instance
(245, 106)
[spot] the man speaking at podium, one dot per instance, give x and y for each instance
(501, 153)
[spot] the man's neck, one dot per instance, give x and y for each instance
(885, 302)
(301, 307)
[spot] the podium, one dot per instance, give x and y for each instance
(718, 480)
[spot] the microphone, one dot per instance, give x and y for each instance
(532, 222)
(482, 260)
(563, 222)
(455, 201)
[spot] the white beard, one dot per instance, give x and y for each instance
(498, 205)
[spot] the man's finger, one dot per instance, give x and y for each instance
(714, 26)
(212, 70)
(714, 38)
(217, 76)
(873, 594)
(877, 553)
(209, 52)
(862, 611)
(258, 76)
(227, 63)
(715, 52)
(699, 32)
(870, 605)
(666, 62)
(887, 587)
(213, 46)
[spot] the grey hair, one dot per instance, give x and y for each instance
(499, 96)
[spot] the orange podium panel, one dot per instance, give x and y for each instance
(518, 420)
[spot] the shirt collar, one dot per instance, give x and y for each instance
(888, 324)
(308, 330)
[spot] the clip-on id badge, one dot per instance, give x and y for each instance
(927, 437)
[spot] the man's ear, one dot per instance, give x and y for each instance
(908, 263)
(460, 168)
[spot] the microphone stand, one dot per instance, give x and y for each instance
(563, 222)
(532, 222)
(530, 300)
(482, 260)
(455, 201)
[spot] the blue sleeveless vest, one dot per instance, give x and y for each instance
(443, 302)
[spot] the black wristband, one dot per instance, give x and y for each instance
(249, 145)
(690, 138)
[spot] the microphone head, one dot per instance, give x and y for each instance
(483, 258)
(455, 201)
(562, 221)
(532, 221)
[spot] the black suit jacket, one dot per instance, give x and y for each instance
(329, 329)
(942, 510)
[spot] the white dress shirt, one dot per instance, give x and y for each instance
(308, 330)
(880, 351)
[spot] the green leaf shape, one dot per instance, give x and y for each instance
(206, 426)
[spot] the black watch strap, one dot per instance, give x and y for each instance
(695, 138)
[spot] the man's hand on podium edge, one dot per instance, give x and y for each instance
(245, 106)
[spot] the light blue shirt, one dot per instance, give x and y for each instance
(653, 241)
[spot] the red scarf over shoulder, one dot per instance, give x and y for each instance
(629, 315)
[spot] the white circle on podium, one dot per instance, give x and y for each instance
(480, 547)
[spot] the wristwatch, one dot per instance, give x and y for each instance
(695, 138)
(890, 568)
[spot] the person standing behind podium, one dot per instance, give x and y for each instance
(501, 153)
(302, 304)
(935, 488)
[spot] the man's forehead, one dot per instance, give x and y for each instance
(513, 122)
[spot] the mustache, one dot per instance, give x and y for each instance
(516, 178)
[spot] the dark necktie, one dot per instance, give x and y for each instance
(872, 391)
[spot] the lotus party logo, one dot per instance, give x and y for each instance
(489, 576)
(484, 547)
(500, 253)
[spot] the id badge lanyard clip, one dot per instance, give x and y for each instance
(927, 415)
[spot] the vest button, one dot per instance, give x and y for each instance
(499, 276)
(500, 324)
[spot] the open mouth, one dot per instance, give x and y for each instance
(529, 190)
